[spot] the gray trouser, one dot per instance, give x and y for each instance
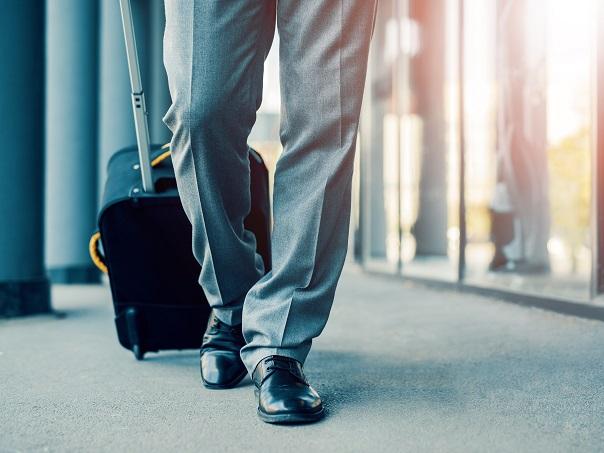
(214, 53)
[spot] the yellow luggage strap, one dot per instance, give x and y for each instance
(163, 156)
(93, 249)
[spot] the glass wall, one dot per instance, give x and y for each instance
(410, 159)
(528, 114)
(380, 133)
(528, 95)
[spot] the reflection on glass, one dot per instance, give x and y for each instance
(528, 123)
(411, 167)
(382, 128)
(428, 148)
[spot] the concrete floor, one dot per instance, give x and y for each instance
(401, 368)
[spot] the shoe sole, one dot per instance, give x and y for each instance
(291, 418)
(228, 385)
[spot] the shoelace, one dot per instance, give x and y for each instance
(278, 363)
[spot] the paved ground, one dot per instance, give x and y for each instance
(401, 368)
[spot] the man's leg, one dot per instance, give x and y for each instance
(324, 48)
(214, 52)
(214, 55)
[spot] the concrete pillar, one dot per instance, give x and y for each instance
(71, 138)
(24, 288)
(379, 104)
(428, 84)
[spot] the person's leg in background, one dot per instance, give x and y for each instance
(323, 58)
(214, 54)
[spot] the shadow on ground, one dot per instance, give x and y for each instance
(354, 379)
(372, 381)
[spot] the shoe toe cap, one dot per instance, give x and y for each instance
(292, 400)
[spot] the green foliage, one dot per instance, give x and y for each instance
(570, 188)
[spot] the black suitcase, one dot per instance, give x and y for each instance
(146, 242)
(146, 238)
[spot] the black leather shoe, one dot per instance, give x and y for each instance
(284, 395)
(221, 365)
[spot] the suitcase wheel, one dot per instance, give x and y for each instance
(138, 352)
(133, 333)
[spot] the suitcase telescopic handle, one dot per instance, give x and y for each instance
(139, 107)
